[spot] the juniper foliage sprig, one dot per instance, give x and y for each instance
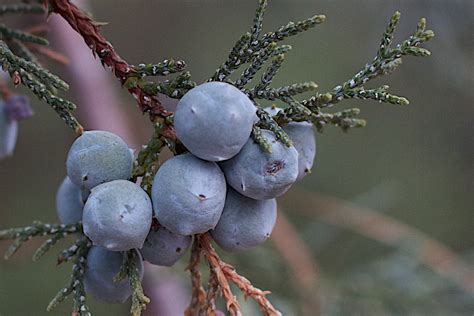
(21, 235)
(387, 59)
(21, 50)
(249, 45)
(7, 32)
(16, 8)
(70, 253)
(257, 50)
(174, 88)
(146, 164)
(20, 62)
(164, 68)
(130, 270)
(76, 284)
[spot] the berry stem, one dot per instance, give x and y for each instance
(198, 297)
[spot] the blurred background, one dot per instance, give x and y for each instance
(384, 225)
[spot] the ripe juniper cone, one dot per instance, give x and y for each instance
(164, 248)
(244, 223)
(70, 201)
(117, 215)
(304, 140)
(188, 194)
(97, 157)
(101, 268)
(261, 175)
(214, 120)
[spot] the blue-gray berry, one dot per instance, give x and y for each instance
(117, 215)
(97, 157)
(101, 267)
(164, 248)
(245, 223)
(304, 140)
(188, 194)
(214, 120)
(70, 201)
(260, 175)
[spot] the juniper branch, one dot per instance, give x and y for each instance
(76, 284)
(7, 32)
(379, 94)
(8, 58)
(269, 73)
(21, 8)
(173, 88)
(70, 253)
(249, 45)
(386, 61)
(285, 31)
(145, 165)
(258, 60)
(387, 58)
(258, 20)
(343, 119)
(61, 106)
(267, 122)
(164, 68)
(234, 60)
(282, 93)
(21, 50)
(130, 270)
(388, 35)
(23, 234)
(258, 138)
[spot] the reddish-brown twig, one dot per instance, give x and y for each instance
(226, 273)
(90, 32)
(298, 257)
(386, 230)
(216, 265)
(198, 297)
(249, 290)
(212, 291)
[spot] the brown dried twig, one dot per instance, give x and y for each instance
(250, 291)
(216, 265)
(198, 297)
(225, 273)
(212, 291)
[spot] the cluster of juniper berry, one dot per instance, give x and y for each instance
(226, 184)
